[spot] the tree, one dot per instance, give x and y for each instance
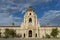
(19, 35)
(54, 32)
(43, 36)
(6, 33)
(10, 33)
(47, 36)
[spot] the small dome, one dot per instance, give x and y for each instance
(30, 8)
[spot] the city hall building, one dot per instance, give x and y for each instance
(30, 27)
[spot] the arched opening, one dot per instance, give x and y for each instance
(24, 34)
(30, 13)
(30, 33)
(30, 20)
(36, 35)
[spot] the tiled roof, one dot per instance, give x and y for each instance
(9, 26)
(20, 26)
(50, 26)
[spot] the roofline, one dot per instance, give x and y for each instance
(20, 26)
(9, 26)
(50, 26)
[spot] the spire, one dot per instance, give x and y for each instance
(30, 8)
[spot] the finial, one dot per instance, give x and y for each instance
(30, 6)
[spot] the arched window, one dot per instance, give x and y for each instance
(36, 35)
(30, 13)
(24, 34)
(30, 20)
(30, 33)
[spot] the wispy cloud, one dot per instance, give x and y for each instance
(18, 5)
(8, 20)
(8, 7)
(50, 16)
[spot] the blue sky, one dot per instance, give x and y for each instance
(48, 11)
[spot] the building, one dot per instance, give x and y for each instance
(30, 27)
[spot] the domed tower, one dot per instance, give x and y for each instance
(30, 18)
(30, 22)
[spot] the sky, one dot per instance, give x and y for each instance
(12, 11)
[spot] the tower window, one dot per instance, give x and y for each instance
(30, 20)
(30, 13)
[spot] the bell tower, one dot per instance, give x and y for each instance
(30, 23)
(30, 18)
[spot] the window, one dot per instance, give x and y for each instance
(30, 20)
(30, 33)
(24, 34)
(36, 35)
(30, 13)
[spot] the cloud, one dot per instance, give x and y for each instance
(9, 19)
(50, 16)
(9, 7)
(18, 5)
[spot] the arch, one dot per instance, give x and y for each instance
(30, 33)
(36, 35)
(30, 13)
(30, 20)
(24, 34)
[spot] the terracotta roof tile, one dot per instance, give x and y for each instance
(9, 26)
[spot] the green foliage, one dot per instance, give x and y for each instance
(6, 32)
(19, 35)
(54, 32)
(43, 36)
(10, 33)
(47, 36)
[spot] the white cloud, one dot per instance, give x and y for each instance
(8, 7)
(49, 16)
(9, 20)
(18, 4)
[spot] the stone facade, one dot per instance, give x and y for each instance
(30, 27)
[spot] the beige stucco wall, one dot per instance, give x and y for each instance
(41, 31)
(47, 30)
